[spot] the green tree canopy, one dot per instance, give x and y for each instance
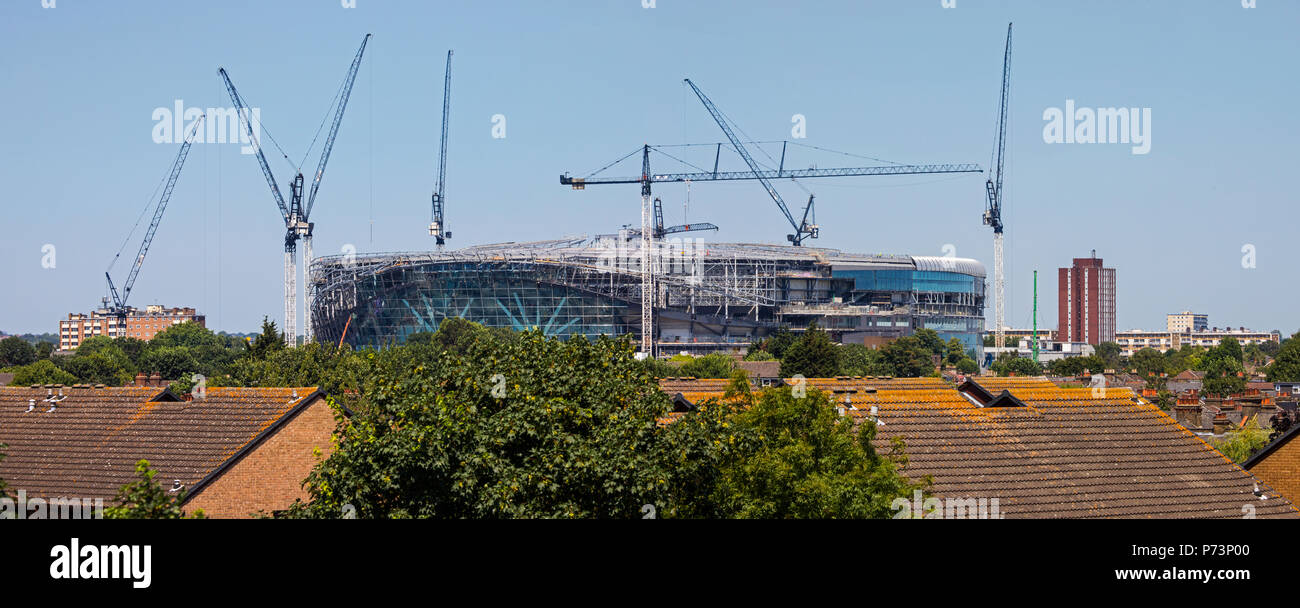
(709, 366)
(1286, 365)
(931, 341)
(42, 372)
(954, 351)
(1109, 353)
(789, 457)
(172, 362)
(858, 360)
(145, 499)
(1149, 363)
(15, 351)
(270, 341)
(908, 358)
(1009, 364)
(813, 355)
(189, 335)
(758, 354)
(524, 428)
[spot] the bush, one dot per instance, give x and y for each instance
(1008, 365)
(1240, 443)
(709, 366)
(41, 372)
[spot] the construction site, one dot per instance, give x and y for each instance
(676, 293)
(708, 298)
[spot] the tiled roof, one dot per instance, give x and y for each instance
(88, 446)
(1077, 453)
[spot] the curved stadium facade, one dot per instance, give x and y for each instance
(709, 297)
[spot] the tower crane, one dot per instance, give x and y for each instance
(296, 214)
(993, 210)
(437, 227)
(119, 308)
(803, 229)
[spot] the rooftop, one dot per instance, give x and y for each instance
(85, 444)
(1044, 451)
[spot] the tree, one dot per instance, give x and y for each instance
(188, 334)
(778, 342)
(758, 354)
(15, 351)
(529, 428)
(144, 499)
(44, 350)
(1224, 373)
(332, 370)
(858, 360)
(954, 351)
(789, 457)
(1109, 353)
(1253, 356)
(1270, 348)
(270, 341)
(1150, 364)
(1009, 364)
(42, 372)
(1286, 365)
(458, 335)
(931, 341)
(1224, 376)
(709, 366)
(658, 368)
(1231, 348)
(968, 366)
(172, 362)
(1077, 366)
(908, 358)
(1240, 443)
(813, 355)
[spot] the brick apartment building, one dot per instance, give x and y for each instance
(1086, 302)
(236, 451)
(140, 324)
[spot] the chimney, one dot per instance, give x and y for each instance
(141, 379)
(1221, 424)
(155, 379)
(1188, 414)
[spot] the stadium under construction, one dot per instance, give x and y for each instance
(708, 297)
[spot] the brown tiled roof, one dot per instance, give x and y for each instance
(1079, 453)
(88, 446)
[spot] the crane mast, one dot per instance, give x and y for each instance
(119, 303)
(993, 211)
(438, 227)
(297, 212)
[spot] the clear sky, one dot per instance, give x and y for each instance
(583, 82)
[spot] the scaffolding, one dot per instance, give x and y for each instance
(717, 292)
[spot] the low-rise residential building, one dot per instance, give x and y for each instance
(235, 451)
(1278, 464)
(1035, 450)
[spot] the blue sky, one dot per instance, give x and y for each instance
(583, 82)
